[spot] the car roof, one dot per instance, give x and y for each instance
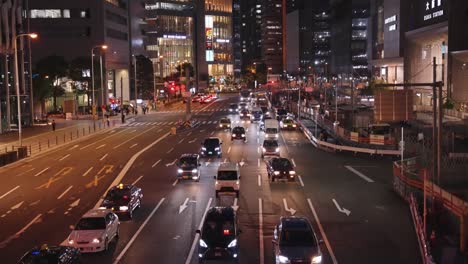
(239, 127)
(294, 222)
(270, 140)
(220, 212)
(97, 213)
(229, 166)
(189, 155)
(225, 119)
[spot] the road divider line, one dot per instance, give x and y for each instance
(293, 162)
(260, 231)
(103, 145)
(358, 173)
(64, 157)
(169, 151)
(105, 138)
(259, 180)
(175, 182)
(134, 145)
(133, 138)
(156, 163)
(42, 171)
(103, 157)
(10, 191)
(197, 236)
(182, 140)
(324, 236)
(300, 180)
(68, 189)
(129, 244)
(25, 172)
(229, 150)
(137, 180)
(86, 173)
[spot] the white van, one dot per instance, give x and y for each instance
(271, 129)
(228, 179)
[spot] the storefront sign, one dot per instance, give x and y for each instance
(209, 38)
(392, 21)
(434, 8)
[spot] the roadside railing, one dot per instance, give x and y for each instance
(420, 233)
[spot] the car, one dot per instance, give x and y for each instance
(94, 231)
(256, 115)
(243, 106)
(227, 180)
(270, 148)
(187, 167)
(123, 199)
(51, 254)
(211, 146)
(233, 108)
(198, 97)
(225, 123)
(288, 123)
(280, 168)
(218, 236)
(206, 99)
(294, 241)
(281, 113)
(238, 133)
(266, 112)
(245, 114)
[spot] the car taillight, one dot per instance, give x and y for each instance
(226, 232)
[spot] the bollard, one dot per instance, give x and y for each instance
(48, 143)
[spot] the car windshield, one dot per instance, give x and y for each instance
(233, 106)
(185, 161)
(91, 223)
(287, 121)
(216, 229)
(211, 142)
(118, 194)
(297, 238)
(225, 121)
(238, 130)
(282, 163)
(227, 175)
(271, 130)
(270, 143)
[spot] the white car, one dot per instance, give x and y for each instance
(95, 230)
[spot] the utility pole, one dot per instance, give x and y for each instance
(188, 105)
(102, 89)
(7, 88)
(135, 80)
(434, 121)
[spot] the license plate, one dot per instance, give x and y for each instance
(218, 254)
(210, 152)
(185, 177)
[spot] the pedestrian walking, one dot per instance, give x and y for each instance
(123, 118)
(108, 121)
(53, 125)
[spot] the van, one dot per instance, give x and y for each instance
(271, 129)
(227, 179)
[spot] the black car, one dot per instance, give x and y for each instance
(123, 199)
(233, 108)
(218, 237)
(187, 167)
(211, 147)
(280, 168)
(51, 255)
(294, 241)
(238, 133)
(281, 113)
(245, 114)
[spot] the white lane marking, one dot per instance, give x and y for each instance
(64, 157)
(134, 145)
(286, 208)
(169, 151)
(103, 145)
(358, 173)
(156, 163)
(260, 231)
(68, 189)
(172, 163)
(212, 133)
(197, 236)
(258, 163)
(192, 141)
(175, 182)
(138, 232)
(42, 171)
(86, 173)
(225, 160)
(74, 147)
(293, 162)
(341, 209)
(235, 206)
(258, 150)
(137, 180)
(258, 140)
(103, 157)
(183, 206)
(259, 180)
(229, 150)
(324, 236)
(132, 138)
(25, 172)
(300, 180)
(182, 140)
(6, 241)
(189, 133)
(105, 138)
(10, 191)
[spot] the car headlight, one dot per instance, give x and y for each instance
(220, 125)
(233, 243)
(230, 110)
(277, 150)
(292, 172)
(194, 171)
(123, 208)
(243, 135)
(317, 259)
(276, 172)
(294, 125)
(264, 149)
(102, 207)
(216, 149)
(283, 259)
(276, 135)
(203, 148)
(96, 241)
(71, 242)
(202, 243)
(180, 171)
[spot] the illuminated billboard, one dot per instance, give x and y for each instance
(209, 38)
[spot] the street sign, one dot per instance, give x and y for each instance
(186, 94)
(309, 89)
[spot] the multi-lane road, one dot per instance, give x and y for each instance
(348, 199)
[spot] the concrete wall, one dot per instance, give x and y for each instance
(122, 78)
(460, 80)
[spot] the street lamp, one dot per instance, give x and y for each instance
(103, 47)
(18, 101)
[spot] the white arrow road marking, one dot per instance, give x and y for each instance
(324, 236)
(64, 157)
(86, 173)
(172, 163)
(42, 171)
(235, 206)
(358, 173)
(188, 260)
(286, 208)
(340, 209)
(103, 145)
(183, 206)
(242, 163)
(68, 189)
(259, 180)
(129, 244)
(156, 163)
(300, 180)
(10, 191)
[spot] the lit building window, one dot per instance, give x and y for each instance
(66, 13)
(46, 13)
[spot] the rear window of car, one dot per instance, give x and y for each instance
(282, 112)
(270, 143)
(227, 175)
(282, 163)
(118, 194)
(271, 130)
(211, 141)
(287, 121)
(297, 237)
(188, 160)
(233, 106)
(238, 130)
(225, 120)
(91, 223)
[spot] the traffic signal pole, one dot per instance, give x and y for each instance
(188, 105)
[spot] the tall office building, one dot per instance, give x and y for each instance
(251, 33)
(272, 42)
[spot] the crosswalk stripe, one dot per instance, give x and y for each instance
(204, 122)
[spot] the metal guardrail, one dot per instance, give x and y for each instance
(420, 232)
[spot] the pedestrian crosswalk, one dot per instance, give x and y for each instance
(173, 123)
(195, 110)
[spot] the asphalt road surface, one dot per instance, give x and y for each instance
(348, 199)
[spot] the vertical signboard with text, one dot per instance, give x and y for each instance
(209, 38)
